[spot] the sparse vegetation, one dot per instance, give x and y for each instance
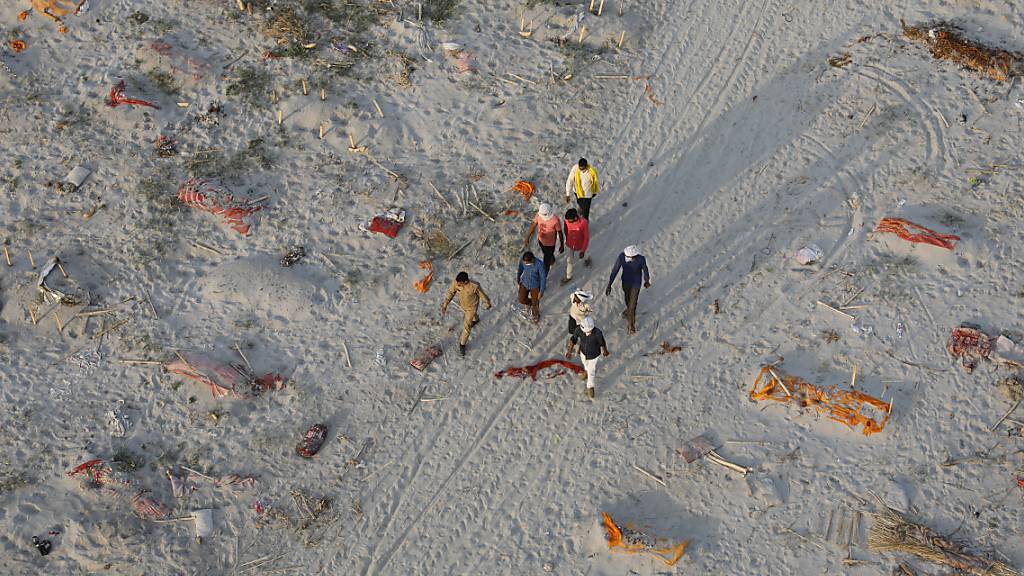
(250, 85)
(440, 11)
(128, 461)
(163, 81)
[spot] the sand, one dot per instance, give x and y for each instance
(743, 146)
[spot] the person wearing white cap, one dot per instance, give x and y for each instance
(549, 230)
(579, 308)
(592, 347)
(634, 275)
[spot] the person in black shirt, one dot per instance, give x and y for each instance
(592, 346)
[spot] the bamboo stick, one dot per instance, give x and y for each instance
(600, 8)
(377, 106)
(61, 266)
(621, 38)
(32, 313)
(31, 260)
(648, 474)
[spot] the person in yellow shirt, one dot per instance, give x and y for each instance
(582, 183)
(470, 294)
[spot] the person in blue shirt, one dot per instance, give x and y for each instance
(532, 281)
(634, 275)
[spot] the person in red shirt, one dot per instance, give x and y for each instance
(549, 229)
(577, 237)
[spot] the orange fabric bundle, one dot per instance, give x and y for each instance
(525, 188)
(911, 232)
(423, 284)
(18, 45)
(843, 406)
(627, 541)
(533, 369)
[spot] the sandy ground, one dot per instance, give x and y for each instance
(742, 147)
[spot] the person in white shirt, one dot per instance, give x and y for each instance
(582, 183)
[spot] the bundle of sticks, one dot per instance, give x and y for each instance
(891, 532)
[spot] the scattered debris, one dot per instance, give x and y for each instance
(203, 520)
(202, 195)
(118, 98)
(165, 146)
(51, 294)
(970, 345)
(293, 256)
(533, 369)
(809, 254)
(42, 546)
(892, 532)
(224, 379)
(666, 348)
(626, 540)
(312, 441)
(840, 61)
(423, 284)
(74, 180)
(1012, 387)
(830, 336)
(117, 422)
(945, 42)
(56, 9)
(842, 406)
(915, 233)
(425, 356)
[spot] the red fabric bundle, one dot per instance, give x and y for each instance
(386, 226)
(911, 232)
(533, 369)
(202, 195)
(117, 98)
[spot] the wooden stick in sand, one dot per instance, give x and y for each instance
(441, 196)
(31, 260)
(621, 38)
(583, 32)
(481, 210)
(32, 313)
(7, 255)
(348, 359)
(135, 361)
(836, 310)
(60, 325)
(592, 2)
(1005, 416)
(377, 106)
(280, 117)
(61, 266)
(305, 88)
(321, 131)
(853, 378)
(645, 472)
(600, 8)
(241, 5)
(242, 354)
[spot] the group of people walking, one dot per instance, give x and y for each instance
(573, 230)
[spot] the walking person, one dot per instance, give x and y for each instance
(592, 346)
(577, 238)
(549, 230)
(581, 183)
(532, 280)
(470, 295)
(579, 308)
(634, 275)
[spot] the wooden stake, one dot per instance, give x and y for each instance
(305, 88)
(377, 106)
(32, 313)
(323, 94)
(645, 472)
(1005, 416)
(614, 77)
(132, 361)
(583, 32)
(622, 5)
(348, 360)
(321, 131)
(60, 325)
(280, 117)
(837, 311)
(441, 196)
(7, 255)
(481, 210)
(592, 5)
(600, 8)
(241, 5)
(61, 266)
(621, 38)
(273, 96)
(31, 260)
(242, 354)
(853, 378)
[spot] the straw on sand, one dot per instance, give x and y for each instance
(891, 532)
(945, 42)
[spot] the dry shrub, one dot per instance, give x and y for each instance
(945, 42)
(286, 25)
